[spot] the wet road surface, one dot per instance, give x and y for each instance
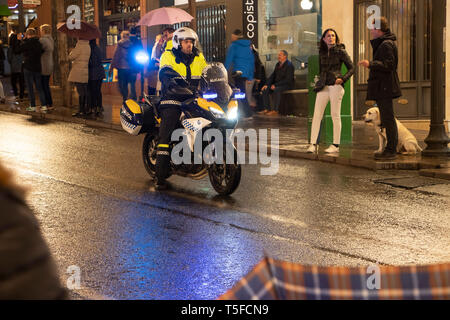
(98, 211)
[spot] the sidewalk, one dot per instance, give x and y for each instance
(293, 139)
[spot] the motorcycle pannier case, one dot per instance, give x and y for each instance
(136, 118)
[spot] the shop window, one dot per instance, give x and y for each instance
(403, 17)
(364, 46)
(211, 32)
(289, 25)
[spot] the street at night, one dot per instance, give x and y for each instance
(99, 211)
(224, 159)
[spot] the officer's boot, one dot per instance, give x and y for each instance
(162, 167)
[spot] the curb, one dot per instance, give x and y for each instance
(443, 173)
(56, 117)
(425, 168)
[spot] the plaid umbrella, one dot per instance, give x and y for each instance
(278, 280)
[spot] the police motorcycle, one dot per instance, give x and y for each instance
(214, 106)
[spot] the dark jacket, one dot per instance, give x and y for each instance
(96, 70)
(383, 80)
(32, 51)
(260, 73)
(15, 58)
(282, 76)
(331, 65)
(121, 56)
(27, 269)
(241, 58)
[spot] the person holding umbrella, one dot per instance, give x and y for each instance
(96, 76)
(168, 35)
(80, 56)
(79, 74)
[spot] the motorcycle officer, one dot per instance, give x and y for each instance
(180, 74)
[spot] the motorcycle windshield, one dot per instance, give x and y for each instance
(216, 78)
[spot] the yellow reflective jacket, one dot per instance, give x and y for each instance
(169, 46)
(177, 68)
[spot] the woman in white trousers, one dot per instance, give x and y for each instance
(330, 88)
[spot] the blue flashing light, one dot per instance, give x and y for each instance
(209, 96)
(239, 95)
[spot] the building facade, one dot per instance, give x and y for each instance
(295, 26)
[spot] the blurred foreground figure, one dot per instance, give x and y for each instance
(27, 269)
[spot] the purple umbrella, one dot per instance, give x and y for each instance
(165, 16)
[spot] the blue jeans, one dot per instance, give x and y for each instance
(47, 91)
(36, 78)
(276, 97)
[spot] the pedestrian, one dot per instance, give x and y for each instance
(330, 87)
(27, 268)
(259, 81)
(2, 93)
(47, 62)
(281, 79)
(79, 74)
(32, 50)
(240, 58)
(2, 59)
(121, 62)
(383, 82)
(15, 59)
(137, 66)
(96, 76)
(153, 68)
(167, 36)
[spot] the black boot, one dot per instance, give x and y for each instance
(162, 167)
(161, 185)
(385, 155)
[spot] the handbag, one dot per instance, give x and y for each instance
(319, 82)
(319, 85)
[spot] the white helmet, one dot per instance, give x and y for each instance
(184, 34)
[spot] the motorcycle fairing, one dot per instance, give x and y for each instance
(193, 127)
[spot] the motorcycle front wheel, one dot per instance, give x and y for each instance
(225, 178)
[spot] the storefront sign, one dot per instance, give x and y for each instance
(250, 9)
(27, 4)
(32, 2)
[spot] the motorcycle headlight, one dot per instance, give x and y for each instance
(232, 114)
(218, 114)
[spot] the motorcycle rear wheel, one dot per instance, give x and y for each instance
(225, 178)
